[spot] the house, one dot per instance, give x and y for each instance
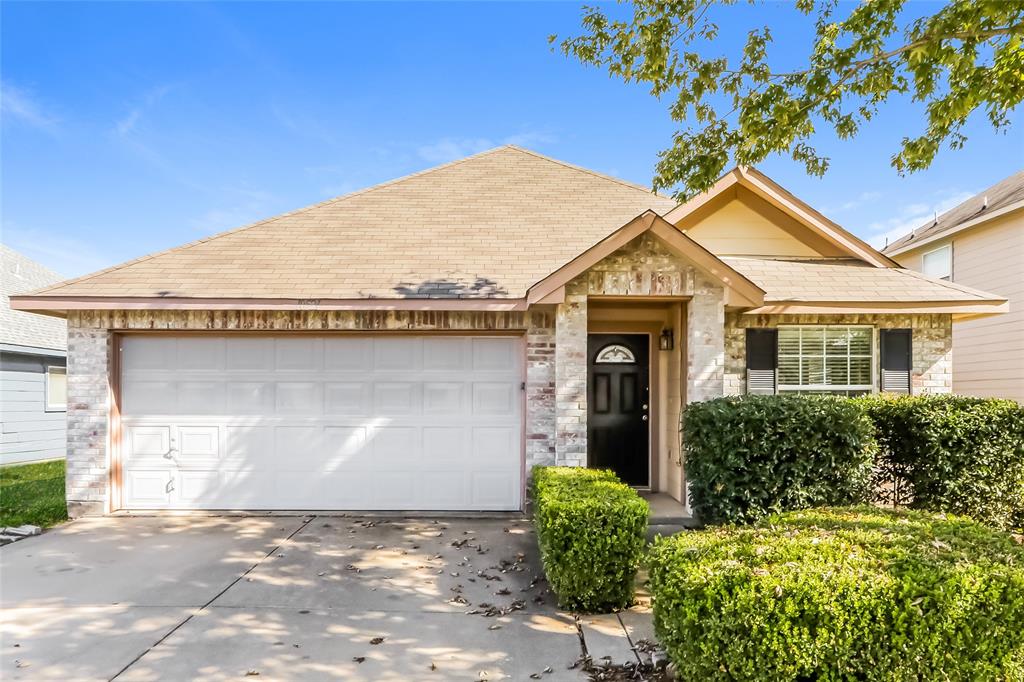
(419, 345)
(33, 383)
(980, 243)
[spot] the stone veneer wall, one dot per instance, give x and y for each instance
(90, 351)
(932, 345)
(644, 267)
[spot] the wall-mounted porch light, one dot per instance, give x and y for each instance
(665, 341)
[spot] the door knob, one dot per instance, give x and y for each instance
(644, 417)
(644, 406)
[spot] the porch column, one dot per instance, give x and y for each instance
(87, 480)
(571, 379)
(705, 341)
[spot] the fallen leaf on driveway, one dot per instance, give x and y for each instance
(359, 659)
(376, 640)
(252, 673)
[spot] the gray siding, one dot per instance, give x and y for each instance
(27, 431)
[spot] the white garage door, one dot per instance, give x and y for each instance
(332, 422)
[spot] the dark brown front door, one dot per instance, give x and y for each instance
(618, 405)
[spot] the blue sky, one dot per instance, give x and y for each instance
(133, 127)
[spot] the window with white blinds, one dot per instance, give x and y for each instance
(825, 359)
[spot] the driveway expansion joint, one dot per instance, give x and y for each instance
(215, 597)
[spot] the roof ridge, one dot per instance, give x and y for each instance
(572, 166)
(234, 230)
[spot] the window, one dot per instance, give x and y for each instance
(615, 355)
(56, 388)
(938, 263)
(825, 359)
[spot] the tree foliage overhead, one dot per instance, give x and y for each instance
(966, 56)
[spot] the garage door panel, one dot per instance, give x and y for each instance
(200, 353)
(250, 353)
(299, 398)
(396, 398)
(444, 445)
(249, 397)
(298, 354)
(248, 447)
(494, 354)
(397, 353)
(395, 445)
(494, 398)
(348, 353)
(149, 397)
(445, 354)
(332, 422)
(200, 397)
(347, 398)
(444, 398)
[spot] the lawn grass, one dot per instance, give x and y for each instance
(32, 493)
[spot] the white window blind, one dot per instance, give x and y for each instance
(938, 263)
(825, 359)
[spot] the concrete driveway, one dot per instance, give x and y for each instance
(321, 597)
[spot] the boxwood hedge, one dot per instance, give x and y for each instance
(953, 453)
(591, 529)
(750, 456)
(842, 594)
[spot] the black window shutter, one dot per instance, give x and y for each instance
(897, 354)
(762, 359)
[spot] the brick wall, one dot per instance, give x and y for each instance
(87, 473)
(644, 267)
(89, 353)
(932, 345)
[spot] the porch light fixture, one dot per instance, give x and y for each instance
(665, 341)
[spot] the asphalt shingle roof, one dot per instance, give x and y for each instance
(488, 226)
(840, 280)
(22, 274)
(998, 196)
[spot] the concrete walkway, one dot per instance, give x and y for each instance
(289, 598)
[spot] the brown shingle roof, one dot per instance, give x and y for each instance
(999, 196)
(488, 226)
(848, 280)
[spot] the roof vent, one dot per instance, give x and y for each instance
(984, 203)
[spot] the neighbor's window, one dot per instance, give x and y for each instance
(938, 263)
(56, 388)
(825, 359)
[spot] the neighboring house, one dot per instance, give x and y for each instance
(419, 345)
(33, 383)
(980, 243)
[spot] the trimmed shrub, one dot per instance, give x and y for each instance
(750, 456)
(842, 594)
(591, 528)
(953, 454)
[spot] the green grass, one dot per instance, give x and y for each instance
(32, 493)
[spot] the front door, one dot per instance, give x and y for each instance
(618, 406)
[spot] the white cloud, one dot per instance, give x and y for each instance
(911, 217)
(250, 206)
(19, 105)
(451, 148)
(128, 124)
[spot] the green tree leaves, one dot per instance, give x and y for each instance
(967, 56)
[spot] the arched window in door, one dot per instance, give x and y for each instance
(615, 354)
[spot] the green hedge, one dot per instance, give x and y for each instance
(953, 454)
(842, 594)
(591, 529)
(750, 456)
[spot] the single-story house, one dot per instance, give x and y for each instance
(32, 368)
(979, 243)
(421, 344)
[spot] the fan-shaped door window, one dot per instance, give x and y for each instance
(615, 354)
